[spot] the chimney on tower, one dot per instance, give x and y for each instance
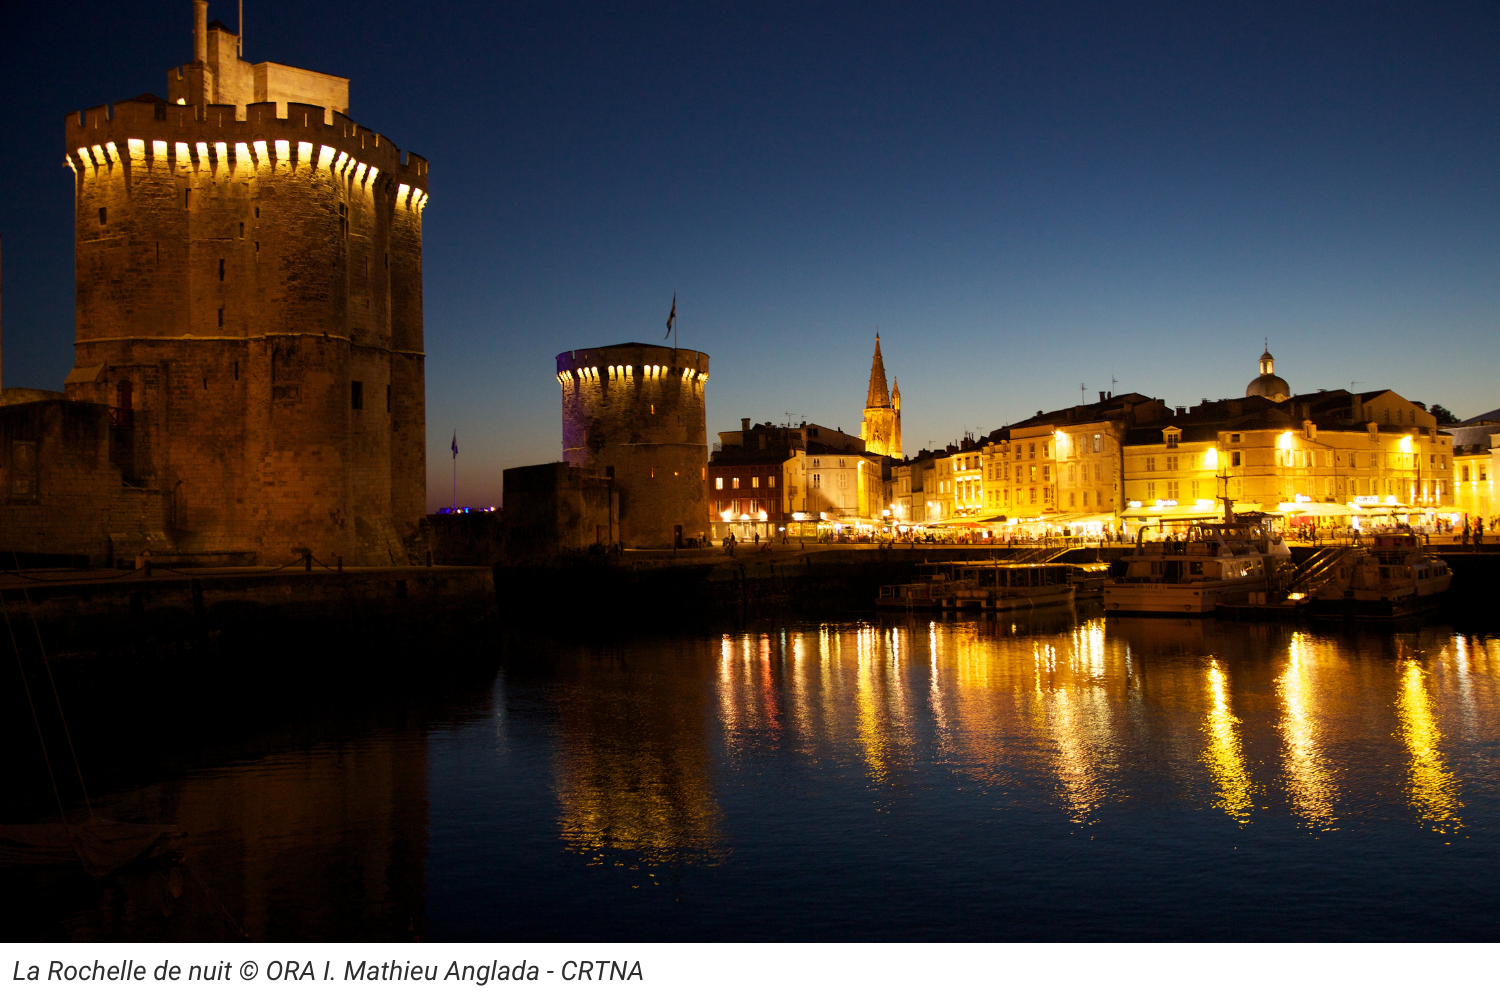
(200, 31)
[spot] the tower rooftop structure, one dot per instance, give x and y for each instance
(877, 395)
(881, 426)
(1268, 383)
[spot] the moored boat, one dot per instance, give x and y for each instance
(1394, 577)
(1214, 562)
(982, 586)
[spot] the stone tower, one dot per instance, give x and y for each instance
(634, 414)
(249, 303)
(881, 427)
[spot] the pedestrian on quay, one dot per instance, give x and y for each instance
(1479, 536)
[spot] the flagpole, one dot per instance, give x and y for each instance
(455, 469)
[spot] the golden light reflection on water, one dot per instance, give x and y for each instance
(1433, 789)
(632, 770)
(1223, 755)
(1310, 783)
(1070, 713)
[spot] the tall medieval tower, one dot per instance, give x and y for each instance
(249, 304)
(881, 427)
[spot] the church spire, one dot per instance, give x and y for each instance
(878, 397)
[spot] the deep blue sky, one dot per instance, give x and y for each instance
(1022, 197)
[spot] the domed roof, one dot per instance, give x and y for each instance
(1272, 387)
(1268, 383)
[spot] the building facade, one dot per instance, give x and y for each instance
(1330, 448)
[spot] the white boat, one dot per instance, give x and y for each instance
(982, 586)
(1394, 577)
(1215, 562)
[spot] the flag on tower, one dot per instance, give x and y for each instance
(455, 444)
(673, 317)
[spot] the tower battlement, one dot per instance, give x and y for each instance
(216, 137)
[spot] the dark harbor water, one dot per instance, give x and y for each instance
(1055, 776)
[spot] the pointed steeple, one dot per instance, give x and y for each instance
(878, 397)
(896, 395)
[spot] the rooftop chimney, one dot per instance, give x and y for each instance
(200, 31)
(744, 423)
(1101, 395)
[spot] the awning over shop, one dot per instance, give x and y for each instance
(956, 522)
(1101, 517)
(1312, 509)
(1177, 512)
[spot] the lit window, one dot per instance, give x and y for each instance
(771, 482)
(719, 483)
(754, 484)
(735, 483)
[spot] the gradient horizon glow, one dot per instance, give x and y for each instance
(1023, 198)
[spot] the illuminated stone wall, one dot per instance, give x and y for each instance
(242, 271)
(638, 410)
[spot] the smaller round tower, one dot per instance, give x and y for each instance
(634, 414)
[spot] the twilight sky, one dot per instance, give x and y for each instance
(1023, 197)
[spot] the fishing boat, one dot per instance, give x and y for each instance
(1214, 561)
(1394, 577)
(982, 586)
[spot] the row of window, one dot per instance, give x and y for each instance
(734, 482)
(738, 507)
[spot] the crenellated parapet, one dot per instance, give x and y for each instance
(147, 134)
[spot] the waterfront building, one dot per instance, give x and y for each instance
(779, 481)
(1063, 469)
(747, 482)
(881, 426)
(1474, 443)
(907, 493)
(955, 490)
(248, 376)
(1312, 454)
